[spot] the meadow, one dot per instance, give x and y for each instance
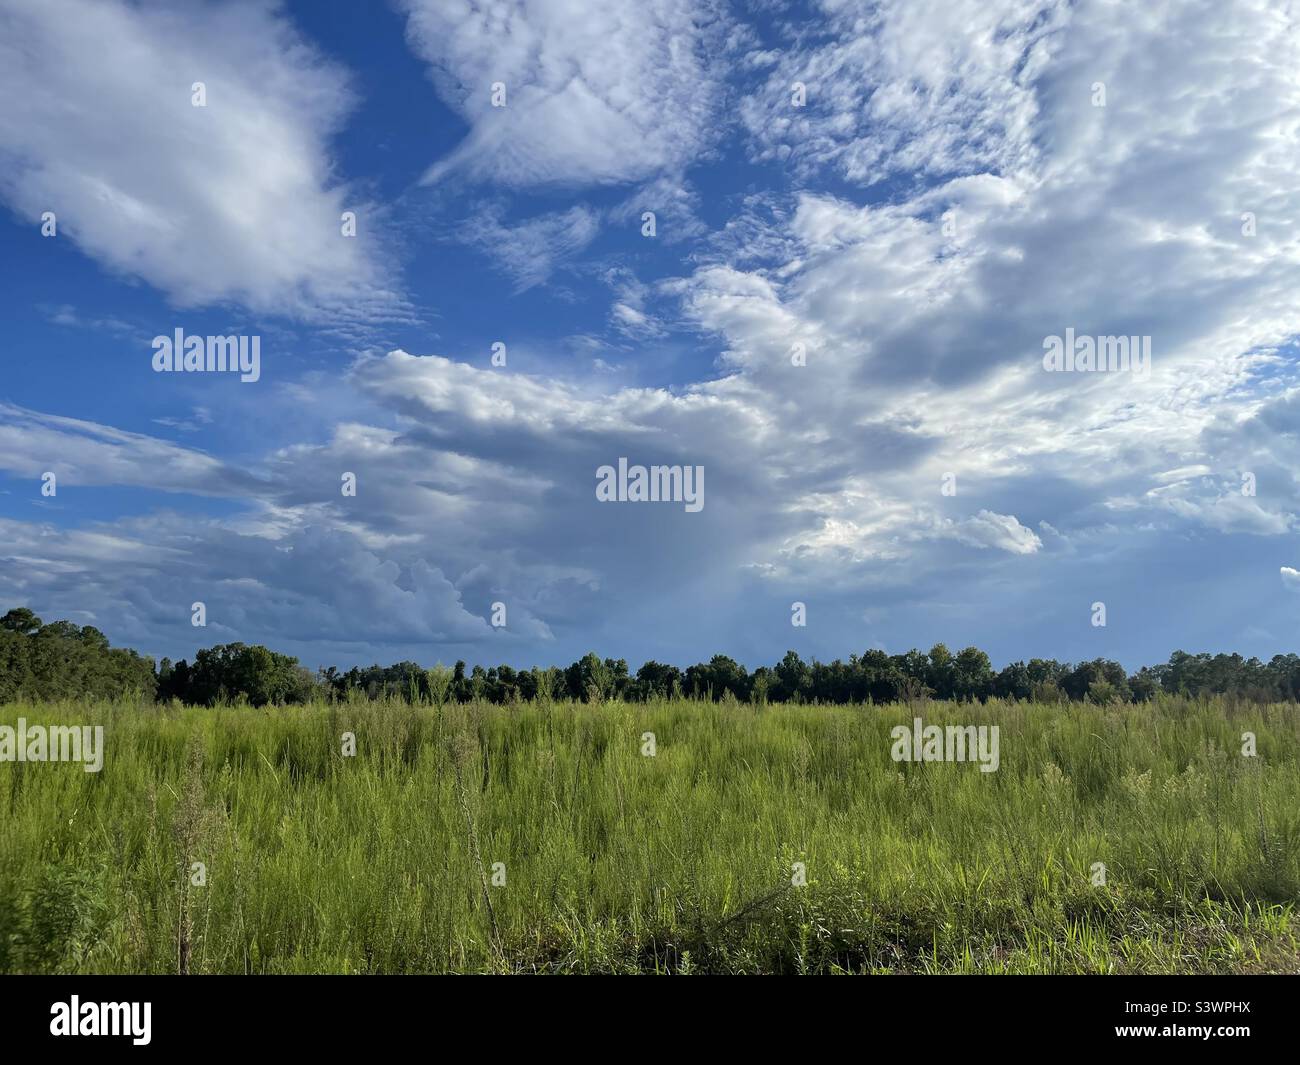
(544, 838)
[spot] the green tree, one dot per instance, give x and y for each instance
(20, 620)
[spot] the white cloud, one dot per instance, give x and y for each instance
(923, 344)
(530, 250)
(81, 452)
(596, 93)
(1002, 531)
(929, 336)
(234, 201)
(938, 87)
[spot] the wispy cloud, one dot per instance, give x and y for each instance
(529, 251)
(612, 92)
(234, 201)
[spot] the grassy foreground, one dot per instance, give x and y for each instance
(615, 861)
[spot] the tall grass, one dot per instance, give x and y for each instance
(680, 862)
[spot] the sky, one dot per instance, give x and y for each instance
(868, 221)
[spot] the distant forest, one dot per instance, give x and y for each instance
(65, 661)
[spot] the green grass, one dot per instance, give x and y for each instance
(681, 862)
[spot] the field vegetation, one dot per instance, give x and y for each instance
(544, 837)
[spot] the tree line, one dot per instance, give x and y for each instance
(63, 660)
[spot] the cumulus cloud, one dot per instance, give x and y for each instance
(923, 316)
(1002, 531)
(1016, 209)
(317, 591)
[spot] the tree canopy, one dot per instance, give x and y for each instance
(65, 660)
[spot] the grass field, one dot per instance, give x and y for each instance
(615, 861)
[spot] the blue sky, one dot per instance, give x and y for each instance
(961, 181)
